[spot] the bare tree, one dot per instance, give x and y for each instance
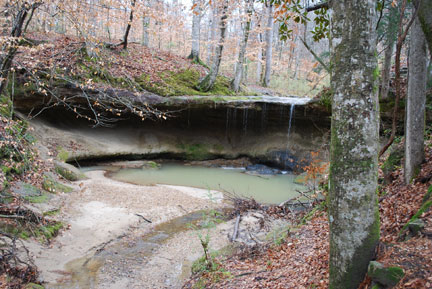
(209, 80)
(9, 46)
(416, 101)
(196, 25)
(129, 25)
(269, 46)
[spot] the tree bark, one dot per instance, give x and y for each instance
(415, 108)
(353, 207)
(391, 35)
(209, 80)
(241, 57)
(269, 46)
(259, 59)
(129, 25)
(196, 23)
(425, 17)
(145, 33)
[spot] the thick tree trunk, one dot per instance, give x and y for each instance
(415, 108)
(269, 46)
(196, 23)
(208, 82)
(241, 57)
(353, 207)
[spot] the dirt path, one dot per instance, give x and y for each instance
(104, 248)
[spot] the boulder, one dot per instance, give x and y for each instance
(69, 172)
(261, 170)
(387, 277)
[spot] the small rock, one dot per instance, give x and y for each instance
(385, 276)
(416, 226)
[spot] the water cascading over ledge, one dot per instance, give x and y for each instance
(277, 131)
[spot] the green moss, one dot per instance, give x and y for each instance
(5, 106)
(153, 165)
(52, 213)
(325, 98)
(183, 83)
(50, 231)
(43, 198)
(428, 195)
(52, 186)
(385, 276)
(68, 174)
(195, 151)
(34, 286)
(62, 154)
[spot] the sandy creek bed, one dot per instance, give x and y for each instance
(102, 247)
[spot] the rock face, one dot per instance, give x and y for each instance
(200, 128)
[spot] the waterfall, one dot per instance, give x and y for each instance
(288, 135)
(290, 119)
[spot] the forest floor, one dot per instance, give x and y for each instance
(302, 260)
(51, 60)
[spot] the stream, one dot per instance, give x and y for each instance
(165, 253)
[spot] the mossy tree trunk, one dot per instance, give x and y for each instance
(353, 207)
(415, 108)
(241, 57)
(209, 80)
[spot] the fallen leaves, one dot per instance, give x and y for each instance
(302, 260)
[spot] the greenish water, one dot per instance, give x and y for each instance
(267, 189)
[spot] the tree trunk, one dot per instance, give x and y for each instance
(145, 33)
(213, 27)
(415, 108)
(259, 59)
(129, 25)
(208, 82)
(425, 17)
(196, 23)
(10, 48)
(241, 57)
(269, 46)
(353, 207)
(391, 35)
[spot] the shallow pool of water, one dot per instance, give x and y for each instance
(267, 189)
